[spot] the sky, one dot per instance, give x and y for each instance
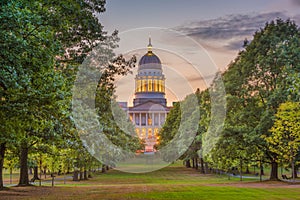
(193, 38)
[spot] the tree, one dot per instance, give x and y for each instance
(260, 71)
(235, 144)
(178, 135)
(40, 50)
(26, 55)
(205, 116)
(171, 125)
(285, 133)
(264, 75)
(272, 49)
(195, 150)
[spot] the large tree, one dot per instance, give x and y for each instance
(273, 48)
(43, 42)
(257, 82)
(26, 58)
(235, 145)
(285, 134)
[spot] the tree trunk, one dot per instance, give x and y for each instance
(188, 163)
(202, 166)
(80, 175)
(274, 171)
(206, 170)
(45, 172)
(85, 175)
(35, 173)
(262, 170)
(241, 169)
(295, 171)
(90, 173)
(10, 175)
(247, 170)
(196, 163)
(23, 166)
(103, 168)
(2, 154)
(75, 175)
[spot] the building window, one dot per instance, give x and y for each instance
(160, 85)
(150, 85)
(156, 119)
(155, 85)
(144, 83)
(149, 119)
(139, 85)
(137, 120)
(143, 119)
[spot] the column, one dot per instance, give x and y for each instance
(159, 119)
(140, 124)
(153, 119)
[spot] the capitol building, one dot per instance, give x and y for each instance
(149, 110)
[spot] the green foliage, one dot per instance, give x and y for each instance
(169, 130)
(42, 44)
(263, 76)
(178, 135)
(11, 161)
(285, 137)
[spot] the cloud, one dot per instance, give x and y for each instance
(230, 30)
(230, 25)
(295, 2)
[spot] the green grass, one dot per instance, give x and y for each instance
(173, 182)
(224, 193)
(172, 175)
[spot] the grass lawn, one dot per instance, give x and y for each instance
(173, 182)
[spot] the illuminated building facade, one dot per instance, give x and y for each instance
(149, 110)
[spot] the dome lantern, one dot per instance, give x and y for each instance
(149, 47)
